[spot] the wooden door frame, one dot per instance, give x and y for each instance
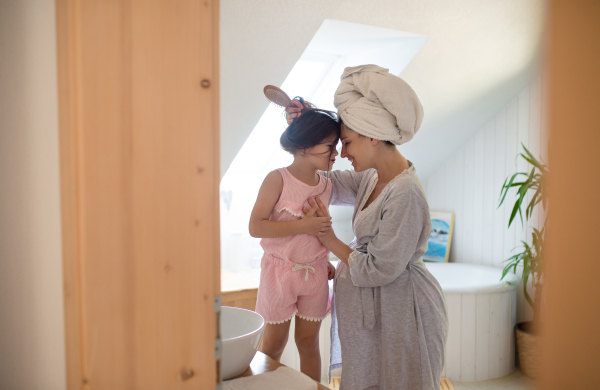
(139, 162)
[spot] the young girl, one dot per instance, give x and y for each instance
(294, 268)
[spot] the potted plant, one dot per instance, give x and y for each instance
(531, 255)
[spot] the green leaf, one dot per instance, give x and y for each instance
(532, 160)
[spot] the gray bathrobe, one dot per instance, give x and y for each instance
(389, 311)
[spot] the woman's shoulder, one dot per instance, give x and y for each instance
(407, 185)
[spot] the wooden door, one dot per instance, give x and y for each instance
(570, 344)
(138, 108)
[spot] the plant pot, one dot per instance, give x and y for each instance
(527, 347)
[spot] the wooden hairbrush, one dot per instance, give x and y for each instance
(277, 96)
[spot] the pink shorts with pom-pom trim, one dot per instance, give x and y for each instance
(287, 289)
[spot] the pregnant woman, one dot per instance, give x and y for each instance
(389, 322)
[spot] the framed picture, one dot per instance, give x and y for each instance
(442, 226)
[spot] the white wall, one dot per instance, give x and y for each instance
(31, 321)
(469, 184)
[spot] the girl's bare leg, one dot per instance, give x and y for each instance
(274, 339)
(307, 341)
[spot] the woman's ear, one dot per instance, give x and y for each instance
(374, 141)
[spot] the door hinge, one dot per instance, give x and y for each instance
(218, 345)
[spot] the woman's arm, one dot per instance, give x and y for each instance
(328, 238)
(400, 235)
(345, 186)
(261, 227)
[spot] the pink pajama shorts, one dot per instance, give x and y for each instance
(287, 289)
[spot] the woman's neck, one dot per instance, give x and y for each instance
(304, 172)
(390, 164)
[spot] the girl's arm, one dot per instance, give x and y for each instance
(261, 227)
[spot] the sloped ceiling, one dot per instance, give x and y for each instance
(479, 55)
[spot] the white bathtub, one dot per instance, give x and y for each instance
(482, 315)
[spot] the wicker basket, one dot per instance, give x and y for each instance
(527, 343)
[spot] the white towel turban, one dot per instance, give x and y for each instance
(377, 104)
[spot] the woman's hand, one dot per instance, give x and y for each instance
(315, 225)
(330, 271)
(293, 112)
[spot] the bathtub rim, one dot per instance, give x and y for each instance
(510, 282)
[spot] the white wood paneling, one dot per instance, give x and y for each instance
(468, 201)
(449, 176)
(478, 171)
(489, 195)
(483, 337)
(512, 133)
(522, 165)
(513, 320)
(469, 183)
(499, 177)
(453, 345)
(480, 343)
(468, 337)
(459, 176)
(505, 330)
(496, 327)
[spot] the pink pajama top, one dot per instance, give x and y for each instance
(293, 276)
(300, 248)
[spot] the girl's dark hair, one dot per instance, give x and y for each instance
(310, 129)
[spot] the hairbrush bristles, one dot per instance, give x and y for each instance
(277, 96)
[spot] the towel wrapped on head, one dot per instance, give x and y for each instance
(377, 104)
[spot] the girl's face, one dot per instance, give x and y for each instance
(359, 150)
(323, 154)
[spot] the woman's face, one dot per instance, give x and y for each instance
(359, 150)
(323, 154)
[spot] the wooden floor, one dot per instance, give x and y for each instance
(444, 385)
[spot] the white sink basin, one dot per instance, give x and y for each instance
(241, 333)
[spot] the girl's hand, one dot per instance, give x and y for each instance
(293, 111)
(321, 210)
(315, 225)
(330, 271)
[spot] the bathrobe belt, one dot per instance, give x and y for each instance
(367, 298)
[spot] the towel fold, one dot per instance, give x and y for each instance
(377, 104)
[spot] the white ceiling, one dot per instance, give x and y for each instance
(479, 55)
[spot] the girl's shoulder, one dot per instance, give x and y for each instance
(274, 180)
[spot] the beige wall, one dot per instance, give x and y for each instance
(31, 304)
